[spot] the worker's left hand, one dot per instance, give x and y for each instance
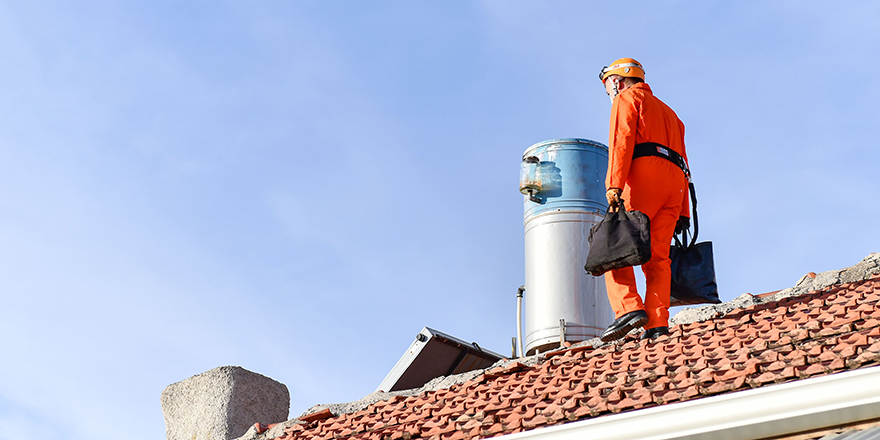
(613, 196)
(683, 224)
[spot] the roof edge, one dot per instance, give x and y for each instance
(848, 397)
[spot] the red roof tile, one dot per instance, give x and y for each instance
(819, 333)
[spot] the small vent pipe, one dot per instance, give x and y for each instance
(519, 333)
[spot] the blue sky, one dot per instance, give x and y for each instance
(298, 187)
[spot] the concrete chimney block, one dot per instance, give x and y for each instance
(221, 404)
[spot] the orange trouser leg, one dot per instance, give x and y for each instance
(658, 275)
(622, 295)
(659, 195)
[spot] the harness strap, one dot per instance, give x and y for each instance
(655, 149)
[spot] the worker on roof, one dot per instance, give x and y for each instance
(643, 176)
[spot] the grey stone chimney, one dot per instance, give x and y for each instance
(222, 404)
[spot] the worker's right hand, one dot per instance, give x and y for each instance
(613, 196)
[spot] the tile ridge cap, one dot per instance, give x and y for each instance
(436, 384)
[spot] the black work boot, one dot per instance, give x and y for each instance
(654, 333)
(621, 326)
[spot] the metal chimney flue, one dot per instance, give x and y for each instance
(562, 182)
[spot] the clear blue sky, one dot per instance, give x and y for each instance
(298, 187)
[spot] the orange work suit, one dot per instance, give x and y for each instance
(652, 185)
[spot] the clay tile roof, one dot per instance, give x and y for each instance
(794, 338)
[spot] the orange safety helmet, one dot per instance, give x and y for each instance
(625, 67)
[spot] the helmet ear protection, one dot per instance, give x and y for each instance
(625, 67)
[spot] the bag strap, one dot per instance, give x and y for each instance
(620, 208)
(693, 193)
(684, 234)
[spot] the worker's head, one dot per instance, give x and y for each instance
(620, 75)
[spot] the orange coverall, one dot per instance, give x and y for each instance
(652, 185)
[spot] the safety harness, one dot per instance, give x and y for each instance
(654, 149)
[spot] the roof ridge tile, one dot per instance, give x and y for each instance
(317, 415)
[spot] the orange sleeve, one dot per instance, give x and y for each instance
(621, 139)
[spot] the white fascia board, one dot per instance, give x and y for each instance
(773, 410)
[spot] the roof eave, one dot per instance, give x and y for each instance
(794, 407)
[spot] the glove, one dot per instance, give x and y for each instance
(683, 224)
(613, 196)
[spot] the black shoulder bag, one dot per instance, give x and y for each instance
(621, 239)
(693, 267)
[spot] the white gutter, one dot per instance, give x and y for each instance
(774, 410)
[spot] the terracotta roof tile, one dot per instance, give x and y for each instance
(820, 333)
